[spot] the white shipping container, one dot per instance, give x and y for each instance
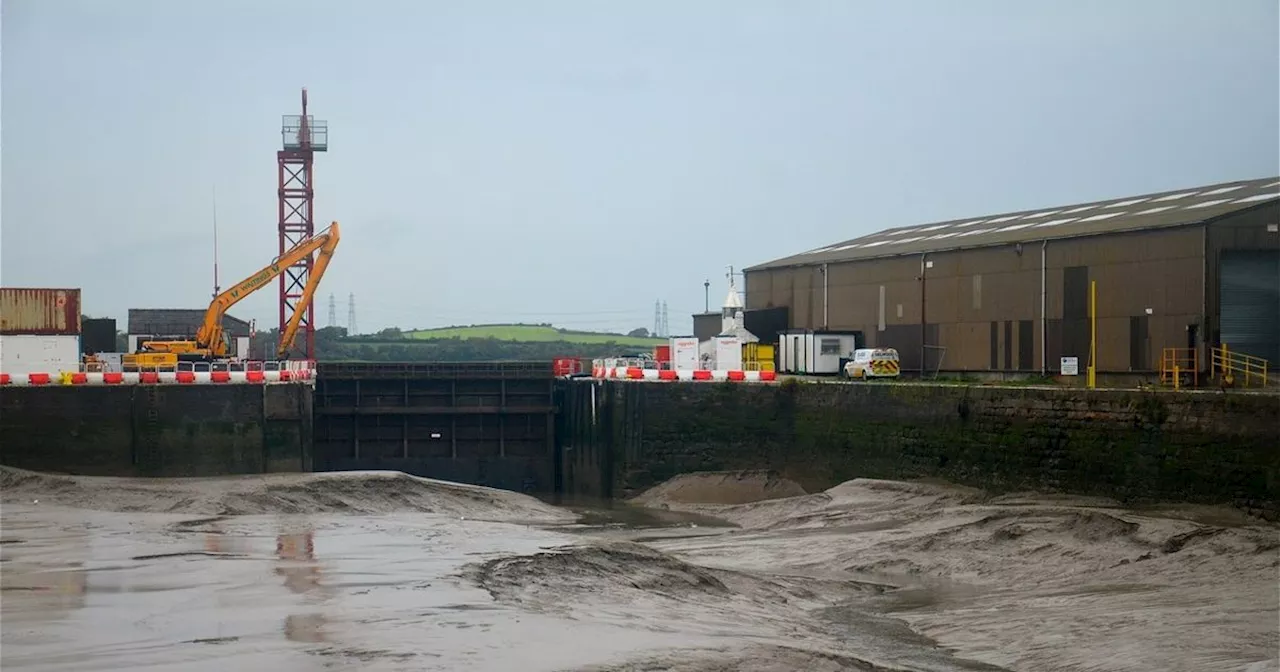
(684, 354)
(728, 353)
(22, 354)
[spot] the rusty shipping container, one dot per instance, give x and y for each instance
(39, 311)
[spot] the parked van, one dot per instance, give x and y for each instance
(873, 363)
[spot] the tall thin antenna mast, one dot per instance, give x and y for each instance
(216, 288)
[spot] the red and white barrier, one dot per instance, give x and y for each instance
(25, 379)
(242, 373)
(671, 375)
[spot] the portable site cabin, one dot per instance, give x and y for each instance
(723, 353)
(805, 351)
(684, 353)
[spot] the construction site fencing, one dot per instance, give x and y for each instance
(187, 373)
(643, 369)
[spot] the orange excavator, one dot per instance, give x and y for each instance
(211, 342)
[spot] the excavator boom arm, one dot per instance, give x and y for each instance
(308, 293)
(210, 334)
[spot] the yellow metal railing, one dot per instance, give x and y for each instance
(1230, 367)
(1177, 364)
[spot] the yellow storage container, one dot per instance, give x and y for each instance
(757, 357)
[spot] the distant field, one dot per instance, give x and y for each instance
(528, 333)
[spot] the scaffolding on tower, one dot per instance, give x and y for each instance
(301, 137)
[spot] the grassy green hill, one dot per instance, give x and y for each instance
(531, 333)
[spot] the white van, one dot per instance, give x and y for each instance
(873, 363)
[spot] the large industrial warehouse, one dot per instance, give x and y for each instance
(1010, 293)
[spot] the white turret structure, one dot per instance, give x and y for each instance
(724, 350)
(732, 315)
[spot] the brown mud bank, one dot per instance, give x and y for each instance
(719, 487)
(721, 619)
(732, 571)
(1020, 581)
(381, 571)
(357, 492)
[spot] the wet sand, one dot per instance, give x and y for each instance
(1026, 582)
(379, 571)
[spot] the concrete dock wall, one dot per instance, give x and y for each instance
(611, 439)
(1133, 446)
(150, 430)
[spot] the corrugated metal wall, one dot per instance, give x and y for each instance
(1157, 276)
(1250, 286)
(979, 310)
(39, 311)
(1256, 231)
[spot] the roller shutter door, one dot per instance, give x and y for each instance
(1250, 300)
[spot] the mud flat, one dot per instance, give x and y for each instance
(719, 487)
(353, 492)
(282, 572)
(724, 619)
(1024, 581)
(380, 571)
(383, 571)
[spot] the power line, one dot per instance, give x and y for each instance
(351, 314)
(393, 313)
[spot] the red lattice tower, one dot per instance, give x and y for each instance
(301, 137)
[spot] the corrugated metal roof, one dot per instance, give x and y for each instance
(1134, 213)
(178, 322)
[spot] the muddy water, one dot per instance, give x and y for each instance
(102, 591)
(371, 572)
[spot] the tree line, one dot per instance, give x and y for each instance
(333, 345)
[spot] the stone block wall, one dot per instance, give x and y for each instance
(1135, 446)
(156, 430)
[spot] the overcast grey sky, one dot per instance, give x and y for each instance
(575, 161)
